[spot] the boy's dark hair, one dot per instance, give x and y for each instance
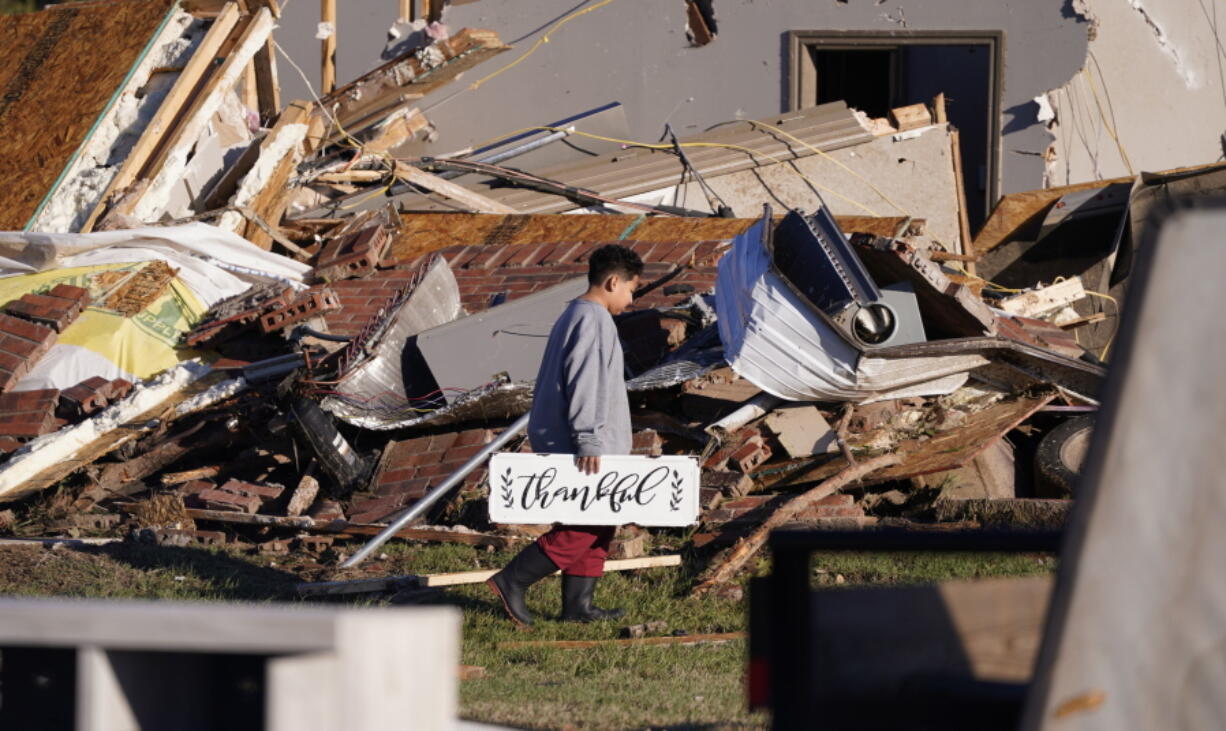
(613, 259)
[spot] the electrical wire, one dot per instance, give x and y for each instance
(724, 145)
(1106, 124)
(536, 46)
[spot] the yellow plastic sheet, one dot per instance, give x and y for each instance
(142, 345)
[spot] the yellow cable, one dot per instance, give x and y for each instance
(539, 42)
(1107, 125)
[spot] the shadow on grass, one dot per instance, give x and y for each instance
(228, 576)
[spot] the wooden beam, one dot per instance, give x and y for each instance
(1041, 301)
(327, 14)
(368, 586)
(251, 94)
(627, 564)
(964, 223)
(632, 642)
(268, 88)
(406, 11)
(473, 201)
(169, 111)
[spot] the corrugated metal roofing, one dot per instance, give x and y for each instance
(639, 170)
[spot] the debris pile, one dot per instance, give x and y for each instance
(255, 323)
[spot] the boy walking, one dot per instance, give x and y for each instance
(579, 407)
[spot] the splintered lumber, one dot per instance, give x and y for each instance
(471, 672)
(632, 642)
(61, 70)
(261, 193)
(166, 167)
(458, 193)
(171, 107)
(367, 586)
(74, 447)
(745, 550)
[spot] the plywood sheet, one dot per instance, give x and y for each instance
(59, 69)
(425, 232)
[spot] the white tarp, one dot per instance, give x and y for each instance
(212, 264)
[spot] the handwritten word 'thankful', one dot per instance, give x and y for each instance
(613, 487)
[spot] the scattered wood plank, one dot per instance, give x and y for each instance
(628, 564)
(729, 564)
(475, 202)
(387, 583)
(55, 542)
(632, 642)
(471, 672)
(171, 108)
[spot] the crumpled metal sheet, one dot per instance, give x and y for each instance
(701, 354)
(372, 390)
(773, 339)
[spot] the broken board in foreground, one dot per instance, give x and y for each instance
(548, 488)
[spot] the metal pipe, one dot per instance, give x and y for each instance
(513, 152)
(750, 410)
(421, 506)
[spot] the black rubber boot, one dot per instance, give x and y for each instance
(577, 593)
(511, 584)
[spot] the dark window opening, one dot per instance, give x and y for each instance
(878, 73)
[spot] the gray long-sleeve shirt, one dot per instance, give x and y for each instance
(579, 405)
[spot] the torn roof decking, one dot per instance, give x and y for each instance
(519, 270)
(638, 170)
(422, 233)
(60, 70)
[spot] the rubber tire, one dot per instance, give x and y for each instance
(1059, 457)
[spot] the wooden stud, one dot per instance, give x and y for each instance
(406, 11)
(327, 14)
(964, 223)
(938, 108)
(267, 86)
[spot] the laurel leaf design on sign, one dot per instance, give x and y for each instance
(674, 502)
(508, 496)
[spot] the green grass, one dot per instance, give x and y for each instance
(607, 687)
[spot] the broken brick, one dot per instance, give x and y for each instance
(750, 454)
(230, 501)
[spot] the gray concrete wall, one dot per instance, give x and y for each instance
(636, 52)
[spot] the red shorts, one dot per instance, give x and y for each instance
(578, 550)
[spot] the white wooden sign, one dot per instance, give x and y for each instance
(548, 488)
